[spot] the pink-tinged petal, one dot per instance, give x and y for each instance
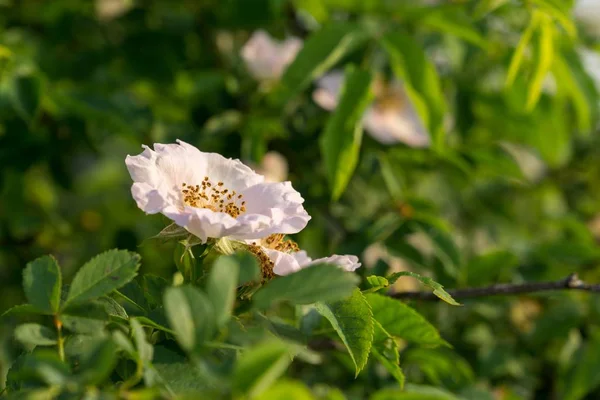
(202, 222)
(284, 263)
(266, 58)
(392, 126)
(328, 90)
(160, 176)
(347, 262)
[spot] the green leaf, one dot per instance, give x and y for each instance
(103, 274)
(376, 283)
(21, 309)
(402, 321)
(26, 95)
(154, 287)
(341, 138)
(288, 390)
(320, 52)
(414, 392)
(99, 364)
(191, 315)
(221, 287)
(35, 334)
(385, 350)
(438, 289)
(457, 24)
(545, 56)
(583, 376)
(322, 282)
(421, 81)
(144, 348)
(249, 269)
(352, 319)
(517, 58)
(42, 282)
(259, 366)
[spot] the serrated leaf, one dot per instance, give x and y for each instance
(191, 315)
(35, 334)
(320, 52)
(259, 366)
(42, 282)
(342, 136)
(352, 319)
(438, 289)
(103, 274)
(402, 321)
(322, 282)
(221, 287)
(376, 283)
(385, 349)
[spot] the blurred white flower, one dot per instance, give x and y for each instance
(110, 9)
(212, 196)
(591, 64)
(266, 58)
(273, 166)
(283, 257)
(390, 119)
(588, 13)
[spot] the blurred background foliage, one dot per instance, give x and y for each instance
(507, 191)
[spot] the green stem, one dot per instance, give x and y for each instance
(61, 339)
(135, 378)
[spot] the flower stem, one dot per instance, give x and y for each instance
(61, 339)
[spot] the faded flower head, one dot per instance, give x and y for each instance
(390, 119)
(280, 256)
(267, 58)
(212, 196)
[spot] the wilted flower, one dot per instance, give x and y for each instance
(212, 196)
(390, 119)
(279, 256)
(266, 58)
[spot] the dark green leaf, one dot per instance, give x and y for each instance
(352, 319)
(321, 282)
(27, 94)
(341, 139)
(191, 315)
(259, 366)
(42, 282)
(98, 366)
(385, 350)
(320, 52)
(438, 289)
(103, 274)
(221, 286)
(402, 321)
(35, 334)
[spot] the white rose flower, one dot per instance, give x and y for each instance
(283, 257)
(391, 119)
(212, 196)
(266, 58)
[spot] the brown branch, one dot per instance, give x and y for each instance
(571, 282)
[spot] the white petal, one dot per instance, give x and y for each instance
(285, 263)
(349, 263)
(272, 208)
(202, 222)
(400, 124)
(328, 90)
(265, 58)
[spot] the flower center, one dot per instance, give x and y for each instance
(389, 101)
(274, 242)
(215, 197)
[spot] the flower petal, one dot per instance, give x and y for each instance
(347, 262)
(272, 208)
(265, 58)
(328, 90)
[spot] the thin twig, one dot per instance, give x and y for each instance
(571, 282)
